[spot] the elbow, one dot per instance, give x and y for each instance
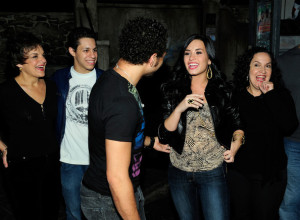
(115, 179)
(112, 179)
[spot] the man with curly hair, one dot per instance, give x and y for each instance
(110, 187)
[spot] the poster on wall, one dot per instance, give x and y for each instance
(264, 13)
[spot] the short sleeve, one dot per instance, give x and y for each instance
(121, 119)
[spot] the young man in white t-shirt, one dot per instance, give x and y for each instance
(74, 85)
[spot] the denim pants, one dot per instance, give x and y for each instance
(98, 207)
(71, 176)
(290, 206)
(192, 191)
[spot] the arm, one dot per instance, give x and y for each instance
(172, 121)
(167, 130)
(238, 139)
(156, 145)
(282, 108)
(118, 156)
(3, 149)
(238, 136)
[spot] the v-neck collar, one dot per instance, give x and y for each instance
(26, 94)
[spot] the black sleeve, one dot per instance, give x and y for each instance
(232, 110)
(3, 125)
(282, 108)
(121, 118)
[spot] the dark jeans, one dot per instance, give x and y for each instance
(192, 190)
(98, 207)
(253, 199)
(71, 177)
(33, 187)
(290, 206)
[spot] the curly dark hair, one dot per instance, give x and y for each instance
(18, 46)
(180, 84)
(242, 67)
(140, 38)
(76, 34)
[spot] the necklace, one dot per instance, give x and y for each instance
(130, 80)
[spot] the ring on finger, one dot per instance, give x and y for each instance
(190, 101)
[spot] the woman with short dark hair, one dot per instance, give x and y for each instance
(27, 132)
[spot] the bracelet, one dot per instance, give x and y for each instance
(151, 145)
(238, 134)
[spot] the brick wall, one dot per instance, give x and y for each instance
(51, 27)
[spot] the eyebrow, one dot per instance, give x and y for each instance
(256, 61)
(195, 49)
(34, 53)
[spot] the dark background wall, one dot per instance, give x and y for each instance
(52, 21)
(51, 27)
(181, 21)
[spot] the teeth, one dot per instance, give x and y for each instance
(41, 67)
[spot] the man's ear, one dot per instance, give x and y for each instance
(153, 60)
(72, 51)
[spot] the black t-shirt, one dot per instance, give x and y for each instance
(115, 113)
(27, 127)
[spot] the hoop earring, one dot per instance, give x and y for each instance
(209, 74)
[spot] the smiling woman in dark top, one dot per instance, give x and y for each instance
(257, 179)
(27, 132)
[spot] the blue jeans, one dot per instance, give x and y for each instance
(192, 190)
(71, 176)
(290, 206)
(98, 207)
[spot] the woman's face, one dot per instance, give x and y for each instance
(260, 70)
(35, 63)
(196, 58)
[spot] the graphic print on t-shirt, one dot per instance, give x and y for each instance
(139, 139)
(77, 104)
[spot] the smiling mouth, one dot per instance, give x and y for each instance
(193, 66)
(91, 62)
(41, 68)
(260, 78)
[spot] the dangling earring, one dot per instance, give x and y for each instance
(209, 73)
(20, 68)
(247, 77)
